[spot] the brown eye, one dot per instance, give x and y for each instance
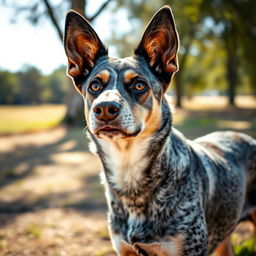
(95, 86)
(139, 86)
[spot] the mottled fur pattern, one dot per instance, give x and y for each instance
(166, 195)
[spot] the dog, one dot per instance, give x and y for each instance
(166, 195)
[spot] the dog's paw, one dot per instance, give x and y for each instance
(127, 249)
(154, 249)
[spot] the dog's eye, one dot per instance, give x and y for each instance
(95, 86)
(139, 86)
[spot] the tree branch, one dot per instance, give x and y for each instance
(103, 6)
(53, 18)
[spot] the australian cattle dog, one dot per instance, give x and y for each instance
(167, 196)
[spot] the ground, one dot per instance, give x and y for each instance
(51, 199)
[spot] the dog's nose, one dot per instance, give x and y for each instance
(106, 111)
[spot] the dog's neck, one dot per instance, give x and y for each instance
(125, 163)
(131, 165)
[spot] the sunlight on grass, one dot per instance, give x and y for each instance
(246, 248)
(218, 102)
(34, 231)
(18, 119)
(237, 125)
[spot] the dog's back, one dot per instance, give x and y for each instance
(229, 159)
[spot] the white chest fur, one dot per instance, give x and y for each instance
(126, 160)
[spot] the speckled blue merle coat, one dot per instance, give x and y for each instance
(166, 195)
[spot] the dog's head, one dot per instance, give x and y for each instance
(123, 97)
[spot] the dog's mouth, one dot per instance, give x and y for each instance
(112, 131)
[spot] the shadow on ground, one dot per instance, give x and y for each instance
(51, 199)
(59, 174)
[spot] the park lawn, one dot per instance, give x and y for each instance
(24, 119)
(200, 115)
(52, 202)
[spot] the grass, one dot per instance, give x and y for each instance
(20, 119)
(70, 219)
(197, 116)
(34, 231)
(245, 248)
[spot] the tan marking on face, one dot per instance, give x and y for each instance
(143, 98)
(167, 248)
(129, 75)
(152, 117)
(103, 75)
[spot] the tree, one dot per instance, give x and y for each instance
(230, 25)
(55, 87)
(38, 9)
(186, 14)
(9, 88)
(29, 80)
(234, 25)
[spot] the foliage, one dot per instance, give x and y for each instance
(29, 86)
(217, 42)
(217, 46)
(246, 248)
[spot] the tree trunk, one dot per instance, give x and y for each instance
(231, 77)
(74, 115)
(182, 64)
(231, 65)
(178, 89)
(78, 6)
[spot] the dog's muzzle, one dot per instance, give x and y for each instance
(110, 120)
(107, 111)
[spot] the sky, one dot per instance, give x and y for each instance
(24, 44)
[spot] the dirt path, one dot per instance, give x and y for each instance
(51, 199)
(52, 202)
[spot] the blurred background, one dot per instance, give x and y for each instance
(51, 200)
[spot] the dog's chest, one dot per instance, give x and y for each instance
(126, 162)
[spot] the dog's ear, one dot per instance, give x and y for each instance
(82, 45)
(159, 45)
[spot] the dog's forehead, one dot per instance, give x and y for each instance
(121, 66)
(124, 63)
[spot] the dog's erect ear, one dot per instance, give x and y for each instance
(159, 44)
(82, 45)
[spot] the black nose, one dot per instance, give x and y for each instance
(106, 111)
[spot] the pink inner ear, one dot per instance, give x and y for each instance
(85, 47)
(82, 49)
(171, 67)
(159, 46)
(73, 69)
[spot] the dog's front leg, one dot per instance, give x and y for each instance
(224, 249)
(126, 249)
(155, 249)
(174, 247)
(121, 247)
